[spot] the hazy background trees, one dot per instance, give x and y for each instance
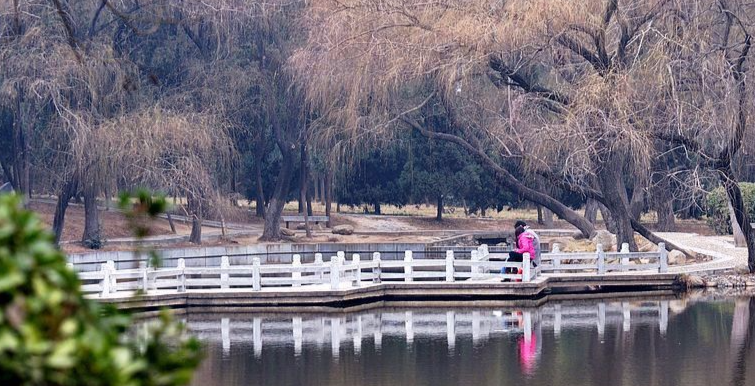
(628, 106)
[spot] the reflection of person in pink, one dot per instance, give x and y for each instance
(527, 354)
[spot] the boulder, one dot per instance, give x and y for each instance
(604, 238)
(302, 226)
(561, 241)
(677, 257)
(287, 232)
(333, 239)
(343, 230)
(578, 246)
(644, 245)
(692, 281)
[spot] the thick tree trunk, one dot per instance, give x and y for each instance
(274, 210)
(92, 237)
(739, 236)
(740, 212)
(439, 207)
(377, 208)
(637, 204)
(663, 203)
(591, 211)
(196, 227)
(69, 189)
(615, 196)
(259, 198)
(547, 218)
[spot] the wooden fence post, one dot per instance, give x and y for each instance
(526, 266)
(376, 270)
(224, 265)
(449, 266)
(601, 260)
(335, 272)
(408, 269)
(296, 274)
(182, 275)
(256, 274)
(662, 258)
(356, 261)
(105, 283)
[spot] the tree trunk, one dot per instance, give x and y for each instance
(172, 225)
(259, 198)
(591, 211)
(303, 191)
(739, 236)
(274, 210)
(439, 214)
(637, 204)
(740, 212)
(664, 206)
(196, 227)
(615, 196)
(69, 189)
(328, 196)
(323, 186)
(539, 215)
(92, 237)
(608, 220)
(21, 150)
(316, 187)
(377, 208)
(547, 218)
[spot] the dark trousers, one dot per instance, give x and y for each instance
(514, 257)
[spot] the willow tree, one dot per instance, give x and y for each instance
(553, 88)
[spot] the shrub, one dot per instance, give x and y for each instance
(51, 335)
(718, 207)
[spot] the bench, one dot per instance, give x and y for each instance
(300, 218)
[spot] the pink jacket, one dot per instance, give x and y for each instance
(525, 244)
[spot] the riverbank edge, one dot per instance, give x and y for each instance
(423, 294)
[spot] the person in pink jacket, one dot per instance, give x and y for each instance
(525, 243)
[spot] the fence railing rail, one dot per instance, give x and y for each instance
(340, 273)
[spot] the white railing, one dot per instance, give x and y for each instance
(603, 262)
(340, 273)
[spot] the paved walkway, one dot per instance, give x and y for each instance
(721, 248)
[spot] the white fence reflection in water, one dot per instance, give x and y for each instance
(339, 273)
(479, 325)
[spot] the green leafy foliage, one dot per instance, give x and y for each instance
(51, 335)
(718, 207)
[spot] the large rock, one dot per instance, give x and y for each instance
(677, 257)
(644, 245)
(604, 238)
(578, 246)
(287, 232)
(343, 230)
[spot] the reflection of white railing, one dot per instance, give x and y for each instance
(480, 325)
(339, 273)
(602, 262)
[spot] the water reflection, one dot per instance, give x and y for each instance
(650, 342)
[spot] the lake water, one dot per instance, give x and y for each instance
(668, 341)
